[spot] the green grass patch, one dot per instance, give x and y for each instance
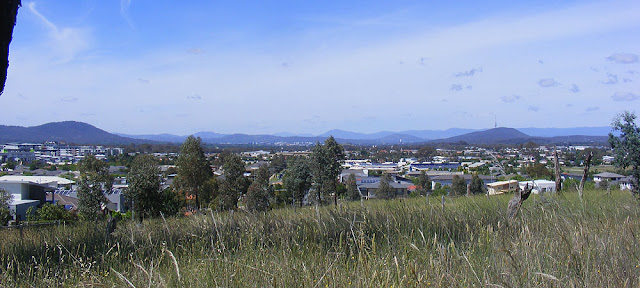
(556, 242)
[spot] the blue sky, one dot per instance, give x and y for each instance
(257, 67)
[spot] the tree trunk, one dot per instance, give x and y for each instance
(585, 174)
(8, 13)
(557, 170)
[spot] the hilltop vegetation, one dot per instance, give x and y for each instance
(558, 242)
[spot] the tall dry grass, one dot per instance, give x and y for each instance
(557, 242)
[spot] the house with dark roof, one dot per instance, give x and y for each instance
(368, 190)
(626, 183)
(608, 178)
(446, 180)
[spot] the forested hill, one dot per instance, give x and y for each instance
(67, 131)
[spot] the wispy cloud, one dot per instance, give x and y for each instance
(195, 51)
(623, 58)
(144, 81)
(533, 108)
(69, 99)
(194, 97)
(510, 99)
(124, 12)
(592, 109)
(611, 79)
(456, 87)
(468, 73)
(625, 97)
(67, 42)
(574, 88)
(548, 82)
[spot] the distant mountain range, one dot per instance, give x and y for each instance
(82, 133)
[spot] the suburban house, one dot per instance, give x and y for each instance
(610, 178)
(368, 190)
(539, 186)
(607, 176)
(62, 199)
(368, 186)
(501, 187)
(51, 181)
(24, 195)
(626, 183)
(358, 173)
(446, 180)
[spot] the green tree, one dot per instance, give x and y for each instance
(385, 191)
(193, 169)
(94, 181)
(278, 164)
(259, 192)
(426, 153)
(326, 166)
(171, 202)
(626, 147)
(5, 213)
(458, 185)
(477, 185)
(424, 183)
(539, 170)
(234, 184)
(49, 212)
(352, 188)
(297, 178)
(144, 186)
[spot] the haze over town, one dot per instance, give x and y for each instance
(161, 67)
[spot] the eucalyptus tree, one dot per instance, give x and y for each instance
(193, 169)
(94, 182)
(326, 167)
(144, 186)
(297, 178)
(626, 147)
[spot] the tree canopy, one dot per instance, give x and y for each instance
(144, 186)
(626, 147)
(326, 166)
(193, 169)
(94, 181)
(385, 191)
(458, 185)
(297, 178)
(234, 184)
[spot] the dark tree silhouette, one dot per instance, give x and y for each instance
(9, 11)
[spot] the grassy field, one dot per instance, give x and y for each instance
(597, 168)
(556, 242)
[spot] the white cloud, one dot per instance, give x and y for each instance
(548, 82)
(510, 99)
(66, 42)
(124, 12)
(625, 97)
(623, 58)
(574, 88)
(468, 73)
(611, 79)
(456, 87)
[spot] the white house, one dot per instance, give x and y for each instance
(539, 186)
(501, 187)
(25, 195)
(51, 181)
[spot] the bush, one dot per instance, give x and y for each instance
(50, 212)
(5, 216)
